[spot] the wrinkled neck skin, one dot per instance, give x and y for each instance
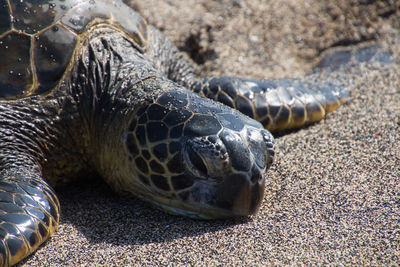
(110, 82)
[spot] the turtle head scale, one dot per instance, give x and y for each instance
(198, 158)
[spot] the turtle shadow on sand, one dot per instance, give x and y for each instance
(101, 215)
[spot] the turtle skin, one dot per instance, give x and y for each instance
(87, 87)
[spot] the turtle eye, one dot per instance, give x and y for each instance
(197, 161)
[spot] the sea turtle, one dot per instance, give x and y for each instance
(86, 86)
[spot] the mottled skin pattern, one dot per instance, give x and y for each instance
(101, 92)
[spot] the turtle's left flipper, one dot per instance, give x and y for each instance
(278, 104)
(29, 214)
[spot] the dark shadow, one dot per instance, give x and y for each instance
(278, 134)
(104, 216)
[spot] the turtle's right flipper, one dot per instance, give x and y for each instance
(278, 104)
(29, 214)
(282, 104)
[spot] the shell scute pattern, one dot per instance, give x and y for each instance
(5, 18)
(14, 75)
(38, 39)
(50, 62)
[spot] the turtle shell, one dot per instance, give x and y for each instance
(38, 39)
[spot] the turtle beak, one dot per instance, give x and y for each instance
(241, 196)
(229, 172)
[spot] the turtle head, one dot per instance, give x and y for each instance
(198, 158)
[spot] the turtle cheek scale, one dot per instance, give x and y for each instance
(206, 163)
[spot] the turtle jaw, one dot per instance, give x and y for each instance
(177, 207)
(236, 195)
(233, 197)
(221, 209)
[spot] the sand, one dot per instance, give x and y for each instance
(333, 192)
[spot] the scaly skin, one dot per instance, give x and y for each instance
(130, 108)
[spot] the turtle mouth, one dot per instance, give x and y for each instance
(203, 211)
(232, 197)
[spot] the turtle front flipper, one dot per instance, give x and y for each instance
(29, 214)
(291, 103)
(278, 104)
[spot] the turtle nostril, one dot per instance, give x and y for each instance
(197, 162)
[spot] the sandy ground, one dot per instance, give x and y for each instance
(333, 193)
